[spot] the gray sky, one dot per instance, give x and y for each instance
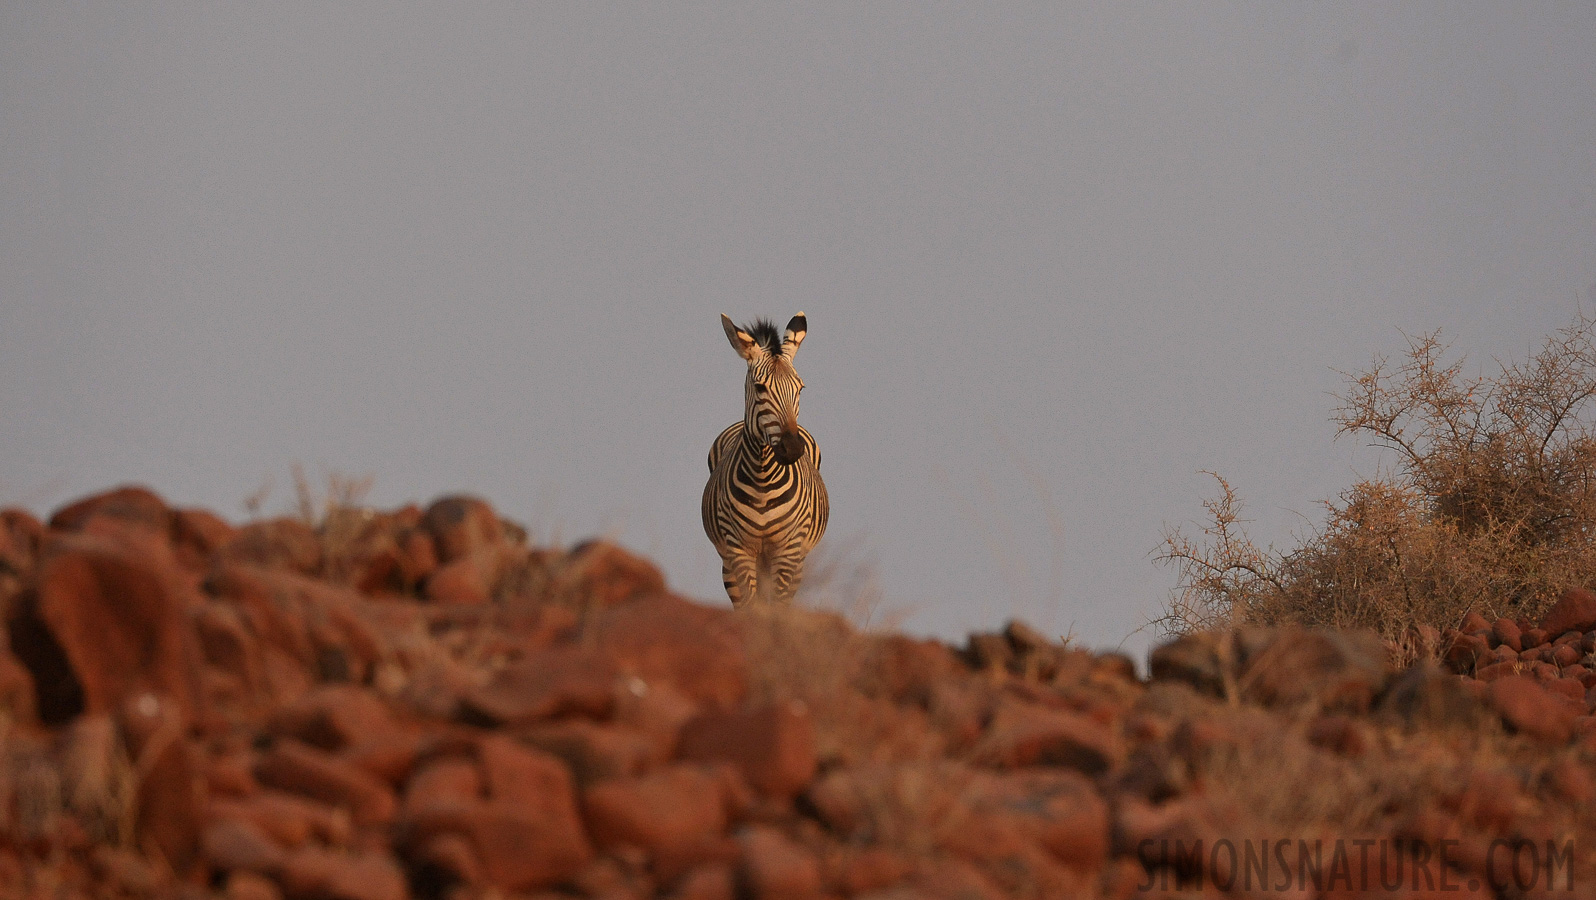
(1056, 259)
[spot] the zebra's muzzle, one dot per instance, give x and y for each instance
(789, 449)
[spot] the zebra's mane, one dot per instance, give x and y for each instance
(765, 335)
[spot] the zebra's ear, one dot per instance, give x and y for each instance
(797, 327)
(741, 341)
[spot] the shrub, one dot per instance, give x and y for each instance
(1490, 503)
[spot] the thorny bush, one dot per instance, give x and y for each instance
(1489, 505)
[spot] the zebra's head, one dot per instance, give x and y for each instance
(770, 395)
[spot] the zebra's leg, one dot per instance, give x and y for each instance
(785, 575)
(737, 573)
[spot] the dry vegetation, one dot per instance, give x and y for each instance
(1490, 503)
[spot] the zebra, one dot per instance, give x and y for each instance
(765, 506)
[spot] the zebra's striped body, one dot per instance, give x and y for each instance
(765, 506)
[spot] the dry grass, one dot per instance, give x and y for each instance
(1490, 504)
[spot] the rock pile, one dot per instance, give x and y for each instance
(416, 703)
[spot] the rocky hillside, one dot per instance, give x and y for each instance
(416, 703)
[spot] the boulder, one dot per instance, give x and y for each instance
(774, 867)
(316, 872)
(170, 779)
(663, 638)
(593, 751)
(598, 574)
(556, 681)
(1342, 670)
(107, 619)
(302, 769)
(460, 525)
(515, 808)
(334, 717)
(1530, 709)
(1199, 659)
(130, 503)
(1028, 734)
(676, 807)
(773, 745)
(283, 543)
(1575, 610)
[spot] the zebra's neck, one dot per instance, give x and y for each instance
(752, 444)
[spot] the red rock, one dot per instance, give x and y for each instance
(711, 881)
(1567, 655)
(675, 807)
(845, 799)
(1567, 687)
(1059, 811)
(1023, 734)
(1575, 610)
(287, 819)
(598, 574)
(270, 606)
(1340, 670)
(1492, 801)
(593, 751)
(284, 543)
(1505, 631)
(250, 886)
(235, 843)
(197, 535)
(460, 525)
(311, 624)
(1571, 781)
(459, 583)
(1542, 671)
(125, 872)
(107, 620)
(17, 690)
(1498, 670)
(1474, 623)
(389, 755)
(1530, 709)
(417, 556)
(515, 773)
(775, 868)
(231, 775)
(21, 536)
(1340, 734)
(130, 503)
(92, 765)
(696, 649)
(451, 853)
(519, 848)
(774, 746)
(873, 869)
(334, 716)
(171, 781)
(225, 642)
(657, 711)
(948, 878)
(445, 782)
(300, 769)
(621, 875)
(1533, 637)
(515, 807)
(545, 683)
(314, 872)
(1465, 651)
